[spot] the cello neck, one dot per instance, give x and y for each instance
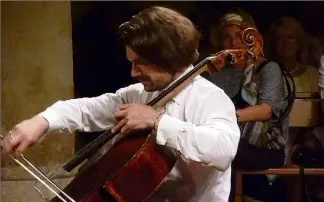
(180, 84)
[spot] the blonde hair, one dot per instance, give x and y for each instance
(282, 22)
(288, 21)
(216, 28)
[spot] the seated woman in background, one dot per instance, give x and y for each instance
(291, 47)
(259, 110)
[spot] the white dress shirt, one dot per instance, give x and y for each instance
(319, 131)
(200, 122)
(321, 77)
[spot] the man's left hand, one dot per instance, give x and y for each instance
(134, 117)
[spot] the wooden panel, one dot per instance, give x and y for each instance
(285, 171)
(305, 113)
(313, 95)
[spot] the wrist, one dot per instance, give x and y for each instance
(238, 115)
(43, 123)
(156, 121)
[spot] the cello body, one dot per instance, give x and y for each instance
(131, 171)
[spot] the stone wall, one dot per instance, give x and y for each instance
(36, 71)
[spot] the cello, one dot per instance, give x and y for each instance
(131, 168)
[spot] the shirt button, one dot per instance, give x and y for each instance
(168, 141)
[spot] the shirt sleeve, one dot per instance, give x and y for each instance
(271, 87)
(85, 114)
(321, 77)
(213, 140)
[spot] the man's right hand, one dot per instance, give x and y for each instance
(24, 135)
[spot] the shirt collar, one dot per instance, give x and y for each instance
(178, 97)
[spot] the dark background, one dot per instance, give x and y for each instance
(99, 60)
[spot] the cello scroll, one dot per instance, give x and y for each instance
(252, 38)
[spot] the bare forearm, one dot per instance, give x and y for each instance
(260, 112)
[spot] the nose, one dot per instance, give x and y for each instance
(289, 40)
(135, 71)
(235, 41)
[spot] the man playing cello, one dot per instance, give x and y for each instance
(200, 122)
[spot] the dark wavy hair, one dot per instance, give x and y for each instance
(162, 36)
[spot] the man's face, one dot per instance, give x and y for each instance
(151, 76)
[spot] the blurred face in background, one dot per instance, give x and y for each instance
(286, 41)
(231, 37)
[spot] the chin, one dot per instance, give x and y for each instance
(152, 88)
(149, 88)
(288, 55)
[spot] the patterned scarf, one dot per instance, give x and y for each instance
(261, 134)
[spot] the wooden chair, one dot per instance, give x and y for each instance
(305, 113)
(274, 171)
